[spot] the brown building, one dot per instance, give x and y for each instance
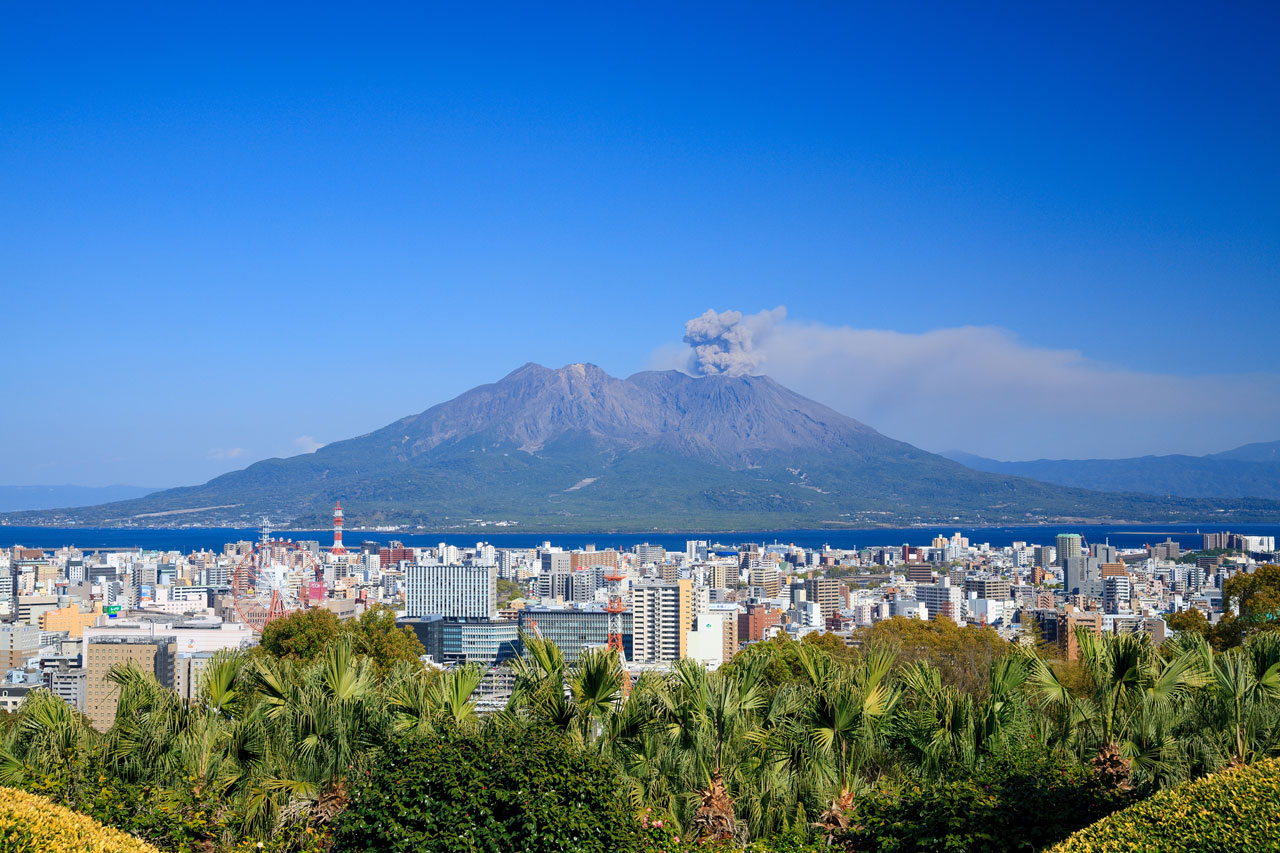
(155, 656)
(922, 573)
(752, 624)
(825, 592)
(1090, 620)
(766, 576)
(591, 559)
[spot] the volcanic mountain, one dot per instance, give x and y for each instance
(577, 449)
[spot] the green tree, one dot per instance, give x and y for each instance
(301, 636)
(375, 635)
(1251, 603)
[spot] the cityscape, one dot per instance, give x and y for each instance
(71, 615)
(640, 428)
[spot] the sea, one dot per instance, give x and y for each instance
(187, 539)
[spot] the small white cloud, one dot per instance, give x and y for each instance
(223, 453)
(307, 444)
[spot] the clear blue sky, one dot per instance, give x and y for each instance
(228, 228)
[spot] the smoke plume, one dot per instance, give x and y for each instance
(728, 343)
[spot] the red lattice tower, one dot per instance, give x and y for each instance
(614, 610)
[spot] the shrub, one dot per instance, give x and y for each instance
(506, 787)
(1022, 800)
(32, 824)
(1232, 810)
(171, 819)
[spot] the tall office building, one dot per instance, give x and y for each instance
(663, 615)
(452, 591)
(1069, 545)
(155, 656)
(1046, 556)
(1082, 576)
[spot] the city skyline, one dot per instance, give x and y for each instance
(255, 240)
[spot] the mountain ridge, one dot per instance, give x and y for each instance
(1252, 470)
(576, 448)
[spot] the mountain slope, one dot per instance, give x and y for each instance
(1249, 471)
(576, 448)
(15, 498)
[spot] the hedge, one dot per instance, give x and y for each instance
(505, 788)
(1232, 810)
(32, 824)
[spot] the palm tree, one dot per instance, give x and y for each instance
(595, 684)
(709, 716)
(1129, 679)
(849, 712)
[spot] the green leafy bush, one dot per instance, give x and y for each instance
(1232, 810)
(1022, 800)
(504, 787)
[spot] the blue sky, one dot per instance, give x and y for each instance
(227, 230)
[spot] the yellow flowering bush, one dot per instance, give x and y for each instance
(1231, 810)
(32, 824)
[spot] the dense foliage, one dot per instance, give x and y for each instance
(33, 824)
(303, 636)
(502, 786)
(791, 745)
(1231, 810)
(1022, 800)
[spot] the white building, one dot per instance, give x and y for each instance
(452, 591)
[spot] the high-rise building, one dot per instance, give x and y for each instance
(1081, 575)
(451, 590)
(765, 575)
(825, 592)
(713, 638)
(155, 656)
(718, 575)
(592, 559)
(1069, 545)
(555, 561)
(18, 642)
(1105, 552)
(1046, 556)
(663, 614)
(942, 600)
(920, 573)
(1116, 593)
(646, 553)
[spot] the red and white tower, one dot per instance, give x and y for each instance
(614, 608)
(337, 549)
